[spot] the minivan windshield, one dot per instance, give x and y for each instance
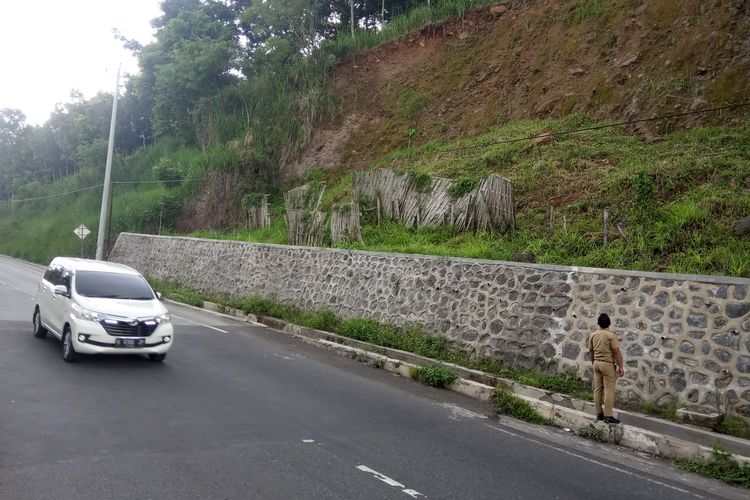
(112, 286)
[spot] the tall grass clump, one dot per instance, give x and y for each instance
(508, 403)
(720, 465)
(435, 375)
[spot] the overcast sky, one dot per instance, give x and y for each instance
(49, 47)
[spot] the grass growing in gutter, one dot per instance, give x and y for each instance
(720, 465)
(734, 426)
(508, 403)
(435, 375)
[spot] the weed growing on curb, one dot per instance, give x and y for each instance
(734, 426)
(593, 433)
(720, 465)
(668, 412)
(509, 404)
(436, 375)
(565, 383)
(377, 363)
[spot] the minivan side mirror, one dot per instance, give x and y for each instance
(61, 290)
(158, 295)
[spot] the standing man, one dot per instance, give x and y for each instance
(605, 353)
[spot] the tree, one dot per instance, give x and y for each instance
(12, 130)
(280, 31)
(191, 58)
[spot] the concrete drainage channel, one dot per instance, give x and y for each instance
(638, 432)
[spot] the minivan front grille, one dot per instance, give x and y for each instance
(126, 329)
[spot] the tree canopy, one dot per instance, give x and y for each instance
(212, 64)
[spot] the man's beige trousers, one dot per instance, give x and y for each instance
(604, 386)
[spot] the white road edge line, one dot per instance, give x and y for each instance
(606, 466)
(17, 289)
(200, 324)
(390, 482)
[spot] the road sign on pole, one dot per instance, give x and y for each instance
(81, 231)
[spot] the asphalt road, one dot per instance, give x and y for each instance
(241, 411)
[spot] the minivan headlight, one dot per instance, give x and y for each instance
(163, 318)
(81, 313)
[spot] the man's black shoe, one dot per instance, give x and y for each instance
(611, 420)
(600, 416)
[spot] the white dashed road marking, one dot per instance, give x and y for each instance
(458, 413)
(200, 324)
(390, 482)
(17, 289)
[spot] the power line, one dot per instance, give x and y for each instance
(52, 195)
(159, 182)
(18, 200)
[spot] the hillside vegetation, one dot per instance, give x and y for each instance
(460, 90)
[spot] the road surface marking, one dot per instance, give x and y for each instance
(308, 440)
(390, 482)
(458, 413)
(200, 324)
(17, 289)
(606, 466)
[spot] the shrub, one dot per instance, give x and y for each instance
(167, 172)
(411, 102)
(324, 319)
(436, 375)
(734, 426)
(462, 186)
(420, 182)
(644, 192)
(509, 404)
(720, 465)
(367, 330)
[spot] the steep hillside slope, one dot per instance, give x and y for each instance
(622, 59)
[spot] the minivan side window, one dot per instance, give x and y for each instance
(56, 276)
(48, 274)
(65, 279)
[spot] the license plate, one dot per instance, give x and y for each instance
(130, 342)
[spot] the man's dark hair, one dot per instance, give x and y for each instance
(604, 321)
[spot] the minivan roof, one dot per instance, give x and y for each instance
(76, 264)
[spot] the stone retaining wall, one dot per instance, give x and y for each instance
(685, 339)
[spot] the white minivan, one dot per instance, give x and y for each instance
(97, 307)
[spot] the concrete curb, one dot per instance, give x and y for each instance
(561, 410)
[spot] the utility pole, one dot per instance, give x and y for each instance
(351, 16)
(103, 220)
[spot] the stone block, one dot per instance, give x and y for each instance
(699, 416)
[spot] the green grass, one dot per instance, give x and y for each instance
(435, 375)
(734, 426)
(679, 199)
(668, 412)
(720, 465)
(508, 403)
(565, 383)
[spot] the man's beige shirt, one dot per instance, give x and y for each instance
(601, 343)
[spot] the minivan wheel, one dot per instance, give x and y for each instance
(157, 358)
(68, 351)
(39, 331)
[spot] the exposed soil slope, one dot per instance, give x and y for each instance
(624, 59)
